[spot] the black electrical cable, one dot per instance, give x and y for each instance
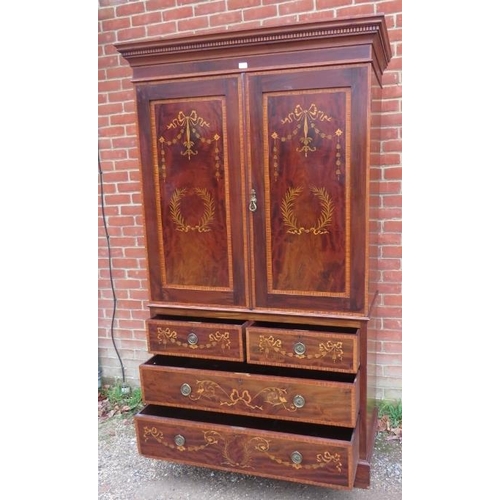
(110, 270)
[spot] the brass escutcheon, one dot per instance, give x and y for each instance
(296, 457)
(179, 440)
(192, 338)
(299, 401)
(185, 389)
(299, 348)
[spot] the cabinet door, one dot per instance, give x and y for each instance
(191, 169)
(308, 155)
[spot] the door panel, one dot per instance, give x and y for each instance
(192, 165)
(307, 171)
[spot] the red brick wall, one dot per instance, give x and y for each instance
(121, 20)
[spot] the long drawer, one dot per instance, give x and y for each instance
(317, 455)
(314, 348)
(196, 338)
(265, 392)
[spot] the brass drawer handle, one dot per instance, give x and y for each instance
(179, 440)
(192, 338)
(185, 389)
(296, 457)
(299, 401)
(299, 348)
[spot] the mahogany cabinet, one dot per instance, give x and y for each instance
(257, 199)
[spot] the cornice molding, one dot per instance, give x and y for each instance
(363, 30)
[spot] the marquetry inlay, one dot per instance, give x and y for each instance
(166, 335)
(239, 451)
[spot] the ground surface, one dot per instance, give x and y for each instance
(126, 475)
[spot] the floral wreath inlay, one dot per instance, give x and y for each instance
(290, 219)
(208, 214)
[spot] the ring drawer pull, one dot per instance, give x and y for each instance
(179, 440)
(299, 401)
(192, 338)
(296, 457)
(185, 389)
(299, 348)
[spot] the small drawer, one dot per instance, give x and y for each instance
(266, 392)
(317, 349)
(316, 455)
(196, 339)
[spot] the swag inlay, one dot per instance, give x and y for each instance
(190, 129)
(307, 120)
(232, 454)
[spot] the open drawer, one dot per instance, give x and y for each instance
(313, 454)
(260, 391)
(196, 338)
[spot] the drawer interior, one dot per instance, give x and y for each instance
(237, 367)
(296, 428)
(307, 328)
(194, 319)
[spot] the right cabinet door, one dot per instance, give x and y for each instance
(308, 154)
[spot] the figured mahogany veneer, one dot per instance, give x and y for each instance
(259, 214)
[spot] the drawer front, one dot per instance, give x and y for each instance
(317, 401)
(196, 339)
(334, 352)
(278, 455)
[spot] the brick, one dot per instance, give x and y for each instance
(329, 4)
(393, 276)
(392, 300)
(206, 8)
(260, 12)
(388, 359)
(389, 264)
(295, 6)
(161, 4)
(146, 19)
(107, 61)
(131, 34)
(392, 251)
(129, 9)
(311, 17)
(391, 213)
(192, 24)
(389, 7)
(392, 226)
(105, 12)
(178, 13)
(391, 173)
(165, 28)
(392, 187)
(124, 142)
(357, 10)
(242, 4)
(115, 24)
(280, 21)
(226, 18)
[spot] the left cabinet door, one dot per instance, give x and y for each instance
(191, 157)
